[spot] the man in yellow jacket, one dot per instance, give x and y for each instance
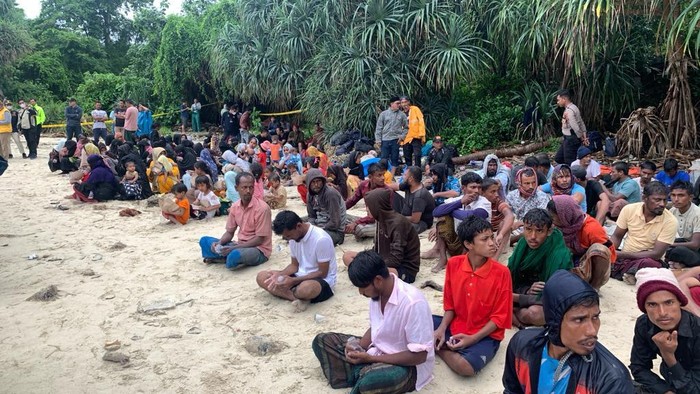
(415, 138)
(5, 130)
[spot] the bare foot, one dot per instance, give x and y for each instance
(438, 267)
(429, 255)
(300, 305)
(431, 284)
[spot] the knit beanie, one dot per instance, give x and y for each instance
(650, 280)
(582, 152)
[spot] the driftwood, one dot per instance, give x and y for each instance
(504, 152)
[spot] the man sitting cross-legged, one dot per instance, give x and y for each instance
(526, 197)
(478, 298)
(310, 276)
(587, 240)
(650, 229)
(395, 354)
(685, 250)
(537, 255)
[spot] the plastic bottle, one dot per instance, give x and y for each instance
(354, 344)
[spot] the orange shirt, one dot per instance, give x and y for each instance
(185, 204)
(251, 221)
(593, 233)
(275, 151)
(478, 296)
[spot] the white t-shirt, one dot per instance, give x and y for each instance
(316, 246)
(98, 113)
(211, 198)
(593, 169)
(688, 222)
(480, 202)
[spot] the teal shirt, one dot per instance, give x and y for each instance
(628, 188)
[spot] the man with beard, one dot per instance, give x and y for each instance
(565, 356)
(493, 169)
(365, 227)
(665, 330)
(624, 191)
(418, 204)
(325, 206)
(395, 354)
(526, 197)
(415, 138)
(253, 220)
(650, 230)
(310, 276)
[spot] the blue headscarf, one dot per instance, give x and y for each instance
(206, 157)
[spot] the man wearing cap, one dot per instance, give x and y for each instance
(415, 138)
(439, 154)
(624, 191)
(597, 202)
(584, 159)
(392, 127)
(665, 330)
(572, 127)
(565, 356)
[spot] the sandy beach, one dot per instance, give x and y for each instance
(108, 269)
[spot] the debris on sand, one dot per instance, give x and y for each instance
(46, 294)
(117, 246)
(261, 346)
(87, 272)
(194, 331)
(152, 201)
(117, 357)
(129, 212)
(431, 284)
(113, 345)
(160, 305)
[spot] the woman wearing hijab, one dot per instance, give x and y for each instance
(564, 183)
(587, 240)
(444, 185)
(185, 158)
(338, 180)
(312, 151)
(69, 162)
(207, 158)
(162, 172)
(100, 185)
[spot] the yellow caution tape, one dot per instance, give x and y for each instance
(296, 111)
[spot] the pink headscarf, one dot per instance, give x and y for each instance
(571, 217)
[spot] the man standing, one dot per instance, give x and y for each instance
(565, 356)
(244, 126)
(131, 120)
(684, 251)
(15, 130)
(74, 115)
(650, 230)
(310, 276)
(325, 206)
(40, 118)
(572, 127)
(230, 122)
(395, 354)
(391, 129)
(196, 108)
(252, 217)
(665, 330)
(26, 122)
(184, 116)
(624, 191)
(5, 130)
(99, 127)
(119, 115)
(418, 204)
(415, 138)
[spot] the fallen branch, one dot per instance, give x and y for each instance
(501, 153)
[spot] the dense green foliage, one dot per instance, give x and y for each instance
(483, 71)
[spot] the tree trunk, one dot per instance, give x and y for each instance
(677, 109)
(501, 153)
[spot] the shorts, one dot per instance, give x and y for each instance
(326, 291)
(478, 354)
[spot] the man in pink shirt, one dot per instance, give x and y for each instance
(252, 218)
(130, 120)
(396, 354)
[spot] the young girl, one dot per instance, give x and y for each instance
(275, 195)
(501, 215)
(177, 211)
(131, 175)
(189, 179)
(207, 203)
(257, 170)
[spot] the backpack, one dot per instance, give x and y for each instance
(609, 148)
(595, 141)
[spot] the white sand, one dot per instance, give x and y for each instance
(58, 346)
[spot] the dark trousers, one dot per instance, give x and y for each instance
(74, 131)
(412, 153)
(567, 150)
(97, 133)
(32, 137)
(683, 255)
(390, 151)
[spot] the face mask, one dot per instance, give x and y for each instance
(9, 107)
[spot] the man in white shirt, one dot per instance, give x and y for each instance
(684, 252)
(310, 276)
(99, 128)
(396, 354)
(585, 160)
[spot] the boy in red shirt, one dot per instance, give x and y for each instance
(478, 301)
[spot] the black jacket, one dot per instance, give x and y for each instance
(682, 378)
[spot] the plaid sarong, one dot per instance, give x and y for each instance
(446, 231)
(329, 348)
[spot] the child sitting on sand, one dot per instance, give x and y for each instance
(275, 195)
(206, 203)
(259, 188)
(131, 175)
(175, 206)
